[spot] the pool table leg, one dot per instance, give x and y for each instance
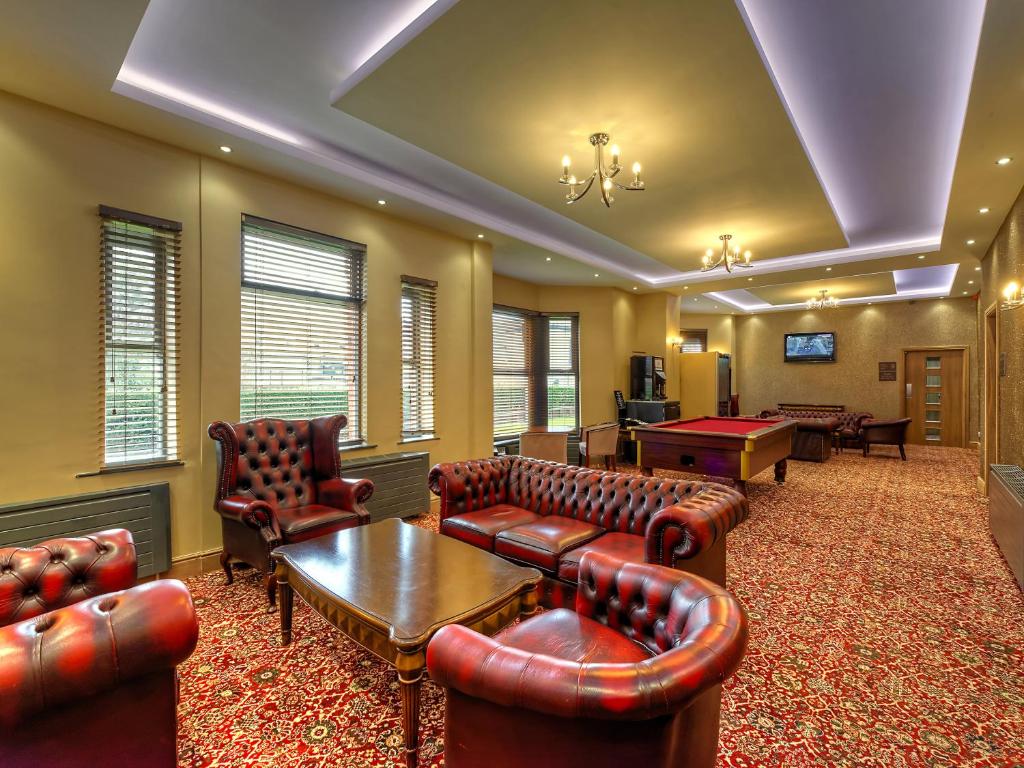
(780, 471)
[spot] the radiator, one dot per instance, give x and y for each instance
(399, 480)
(1006, 514)
(144, 510)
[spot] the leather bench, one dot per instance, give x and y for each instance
(548, 515)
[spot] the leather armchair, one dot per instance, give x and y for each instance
(884, 432)
(279, 482)
(632, 677)
(79, 652)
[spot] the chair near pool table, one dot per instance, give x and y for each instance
(600, 440)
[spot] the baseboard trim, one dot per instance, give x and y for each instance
(976, 445)
(982, 488)
(187, 566)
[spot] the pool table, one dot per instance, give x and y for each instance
(737, 448)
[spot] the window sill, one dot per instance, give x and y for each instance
(424, 439)
(114, 469)
(357, 447)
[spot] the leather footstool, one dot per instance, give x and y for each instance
(812, 440)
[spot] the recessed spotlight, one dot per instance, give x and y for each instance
(970, 242)
(597, 274)
(970, 282)
(983, 210)
(547, 258)
(634, 287)
(382, 202)
(695, 298)
(828, 269)
(921, 256)
(870, 303)
(977, 269)
(716, 306)
(1004, 161)
(480, 237)
(750, 279)
(686, 287)
(965, 293)
(225, 149)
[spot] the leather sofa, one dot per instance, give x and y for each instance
(548, 515)
(632, 677)
(280, 482)
(87, 661)
(849, 421)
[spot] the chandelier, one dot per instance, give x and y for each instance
(602, 175)
(729, 257)
(1011, 297)
(823, 301)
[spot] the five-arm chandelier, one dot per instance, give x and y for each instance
(604, 176)
(823, 301)
(730, 257)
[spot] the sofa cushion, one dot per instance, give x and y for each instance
(480, 526)
(543, 541)
(623, 546)
(566, 635)
(312, 520)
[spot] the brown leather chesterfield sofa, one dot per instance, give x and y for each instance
(633, 677)
(549, 515)
(849, 421)
(87, 661)
(279, 482)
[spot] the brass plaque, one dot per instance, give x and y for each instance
(887, 371)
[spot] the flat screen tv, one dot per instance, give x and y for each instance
(810, 347)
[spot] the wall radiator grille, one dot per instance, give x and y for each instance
(144, 510)
(1006, 514)
(400, 483)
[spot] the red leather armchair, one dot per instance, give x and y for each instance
(279, 482)
(87, 662)
(632, 677)
(884, 432)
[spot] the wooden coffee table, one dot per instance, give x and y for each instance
(390, 586)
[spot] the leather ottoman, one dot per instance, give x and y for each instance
(812, 440)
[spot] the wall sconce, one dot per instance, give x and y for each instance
(1012, 296)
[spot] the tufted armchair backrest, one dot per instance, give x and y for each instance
(277, 460)
(659, 607)
(616, 501)
(59, 572)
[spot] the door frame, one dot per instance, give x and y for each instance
(965, 408)
(991, 352)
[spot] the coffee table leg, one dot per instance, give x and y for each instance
(286, 596)
(409, 685)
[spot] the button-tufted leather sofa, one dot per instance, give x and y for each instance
(279, 482)
(633, 677)
(548, 515)
(849, 421)
(87, 661)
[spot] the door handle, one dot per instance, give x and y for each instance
(910, 389)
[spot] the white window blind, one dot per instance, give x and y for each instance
(536, 370)
(141, 280)
(302, 325)
(694, 339)
(419, 330)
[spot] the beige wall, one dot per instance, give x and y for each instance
(1005, 262)
(720, 328)
(56, 169)
(606, 335)
(865, 336)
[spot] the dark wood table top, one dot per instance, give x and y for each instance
(407, 580)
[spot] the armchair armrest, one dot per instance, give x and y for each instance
(350, 495)
(90, 647)
(467, 485)
(255, 513)
(684, 530)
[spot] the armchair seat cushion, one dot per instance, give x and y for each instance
(627, 547)
(481, 526)
(565, 634)
(542, 542)
(312, 520)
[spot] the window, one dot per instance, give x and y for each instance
(694, 339)
(302, 325)
(536, 370)
(419, 323)
(140, 263)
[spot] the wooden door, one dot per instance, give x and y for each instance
(935, 391)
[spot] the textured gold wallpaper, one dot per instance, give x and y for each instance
(1005, 262)
(865, 336)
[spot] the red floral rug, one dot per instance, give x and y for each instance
(886, 630)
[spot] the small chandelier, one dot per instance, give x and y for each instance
(1011, 296)
(729, 257)
(602, 175)
(823, 301)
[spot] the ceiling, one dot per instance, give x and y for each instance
(825, 134)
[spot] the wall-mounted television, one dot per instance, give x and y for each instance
(811, 347)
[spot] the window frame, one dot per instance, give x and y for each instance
(693, 335)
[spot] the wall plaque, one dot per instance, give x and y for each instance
(887, 371)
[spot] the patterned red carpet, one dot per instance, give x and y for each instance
(885, 631)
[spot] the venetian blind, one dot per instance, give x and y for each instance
(302, 325)
(513, 351)
(419, 330)
(562, 370)
(140, 263)
(695, 340)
